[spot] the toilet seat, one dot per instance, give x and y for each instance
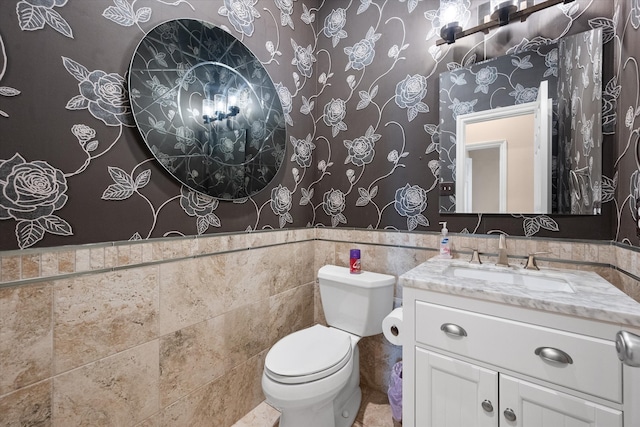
(308, 355)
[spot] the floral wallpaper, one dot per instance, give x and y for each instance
(358, 84)
(627, 154)
(385, 110)
(580, 92)
(73, 167)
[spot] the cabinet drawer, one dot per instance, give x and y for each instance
(594, 368)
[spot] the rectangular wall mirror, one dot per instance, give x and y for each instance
(522, 133)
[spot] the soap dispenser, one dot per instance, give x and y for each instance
(445, 244)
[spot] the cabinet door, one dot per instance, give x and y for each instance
(451, 393)
(536, 406)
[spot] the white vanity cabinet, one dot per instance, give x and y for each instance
(453, 393)
(475, 363)
(544, 406)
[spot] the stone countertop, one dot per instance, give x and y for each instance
(593, 297)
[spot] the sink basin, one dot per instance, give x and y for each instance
(533, 282)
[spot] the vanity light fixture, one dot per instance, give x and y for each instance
(449, 31)
(503, 12)
(448, 14)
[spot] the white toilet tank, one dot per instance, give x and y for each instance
(355, 303)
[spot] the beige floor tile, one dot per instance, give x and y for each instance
(264, 415)
(375, 411)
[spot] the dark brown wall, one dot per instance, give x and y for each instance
(407, 122)
(99, 37)
(627, 148)
(373, 167)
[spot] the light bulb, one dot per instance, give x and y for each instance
(448, 13)
(220, 102)
(208, 108)
(232, 95)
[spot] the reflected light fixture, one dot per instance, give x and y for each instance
(219, 102)
(503, 12)
(502, 9)
(233, 95)
(208, 108)
(216, 109)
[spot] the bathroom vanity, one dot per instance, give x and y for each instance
(494, 346)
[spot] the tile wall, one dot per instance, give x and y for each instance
(174, 332)
(169, 333)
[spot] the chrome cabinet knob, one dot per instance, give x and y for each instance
(509, 414)
(487, 406)
(628, 348)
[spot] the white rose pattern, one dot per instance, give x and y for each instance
(334, 25)
(409, 94)
(334, 114)
(286, 10)
(30, 193)
(241, 14)
(104, 95)
(302, 151)
(362, 53)
(303, 59)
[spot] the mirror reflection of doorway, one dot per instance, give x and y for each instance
(487, 168)
(485, 186)
(525, 133)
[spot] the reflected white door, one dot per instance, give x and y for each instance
(542, 151)
(468, 184)
(482, 178)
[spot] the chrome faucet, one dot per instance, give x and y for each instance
(475, 256)
(531, 260)
(503, 259)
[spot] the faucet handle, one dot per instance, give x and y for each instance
(503, 258)
(475, 257)
(531, 260)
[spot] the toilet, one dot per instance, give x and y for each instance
(313, 375)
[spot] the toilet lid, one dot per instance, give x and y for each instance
(308, 355)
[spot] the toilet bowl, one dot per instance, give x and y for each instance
(313, 375)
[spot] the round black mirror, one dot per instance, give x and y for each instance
(207, 109)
